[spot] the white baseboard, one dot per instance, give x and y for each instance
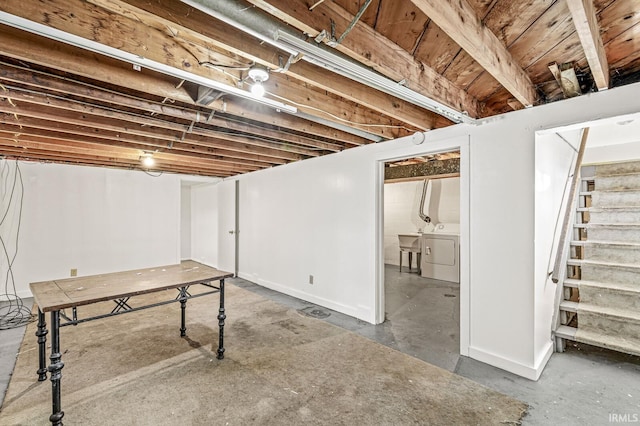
(339, 307)
(531, 372)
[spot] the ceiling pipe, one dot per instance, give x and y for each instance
(136, 60)
(264, 27)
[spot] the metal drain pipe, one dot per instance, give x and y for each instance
(423, 216)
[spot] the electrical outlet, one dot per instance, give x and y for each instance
(310, 279)
(74, 272)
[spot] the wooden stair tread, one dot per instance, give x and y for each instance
(566, 332)
(608, 341)
(608, 209)
(583, 243)
(629, 287)
(580, 262)
(569, 306)
(626, 314)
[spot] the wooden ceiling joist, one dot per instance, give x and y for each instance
(12, 151)
(164, 44)
(43, 82)
(190, 152)
(196, 29)
(371, 48)
(459, 20)
(70, 113)
(586, 23)
(133, 156)
(83, 99)
(31, 48)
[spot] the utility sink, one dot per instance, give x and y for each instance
(409, 242)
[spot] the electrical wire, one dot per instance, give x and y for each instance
(13, 312)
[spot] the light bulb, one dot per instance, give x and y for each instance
(148, 161)
(257, 90)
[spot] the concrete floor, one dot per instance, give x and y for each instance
(582, 386)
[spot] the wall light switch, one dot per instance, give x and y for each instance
(74, 272)
(310, 279)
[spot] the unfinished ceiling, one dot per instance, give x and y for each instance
(106, 82)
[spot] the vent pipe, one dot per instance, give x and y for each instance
(423, 216)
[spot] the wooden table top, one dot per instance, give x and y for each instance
(69, 292)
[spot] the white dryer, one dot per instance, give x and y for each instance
(441, 253)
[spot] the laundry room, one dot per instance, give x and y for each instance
(422, 255)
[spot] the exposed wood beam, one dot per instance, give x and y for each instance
(373, 49)
(586, 23)
(164, 46)
(63, 131)
(27, 114)
(32, 48)
(19, 133)
(108, 153)
(13, 150)
(459, 20)
(134, 123)
(42, 81)
(198, 31)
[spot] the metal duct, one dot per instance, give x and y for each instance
(264, 27)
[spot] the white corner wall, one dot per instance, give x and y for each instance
(185, 222)
(555, 157)
(204, 224)
(95, 220)
(319, 217)
(612, 153)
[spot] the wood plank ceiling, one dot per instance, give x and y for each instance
(106, 82)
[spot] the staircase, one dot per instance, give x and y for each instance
(601, 294)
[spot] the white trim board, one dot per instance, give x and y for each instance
(531, 372)
(448, 144)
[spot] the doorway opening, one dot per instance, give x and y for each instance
(422, 256)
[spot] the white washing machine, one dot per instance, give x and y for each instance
(441, 253)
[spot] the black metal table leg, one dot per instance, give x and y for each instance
(221, 318)
(56, 370)
(42, 346)
(183, 306)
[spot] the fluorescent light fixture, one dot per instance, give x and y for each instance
(318, 56)
(135, 60)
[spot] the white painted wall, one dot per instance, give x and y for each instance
(204, 223)
(319, 217)
(96, 220)
(614, 140)
(555, 157)
(185, 222)
(442, 202)
(612, 153)
(401, 204)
